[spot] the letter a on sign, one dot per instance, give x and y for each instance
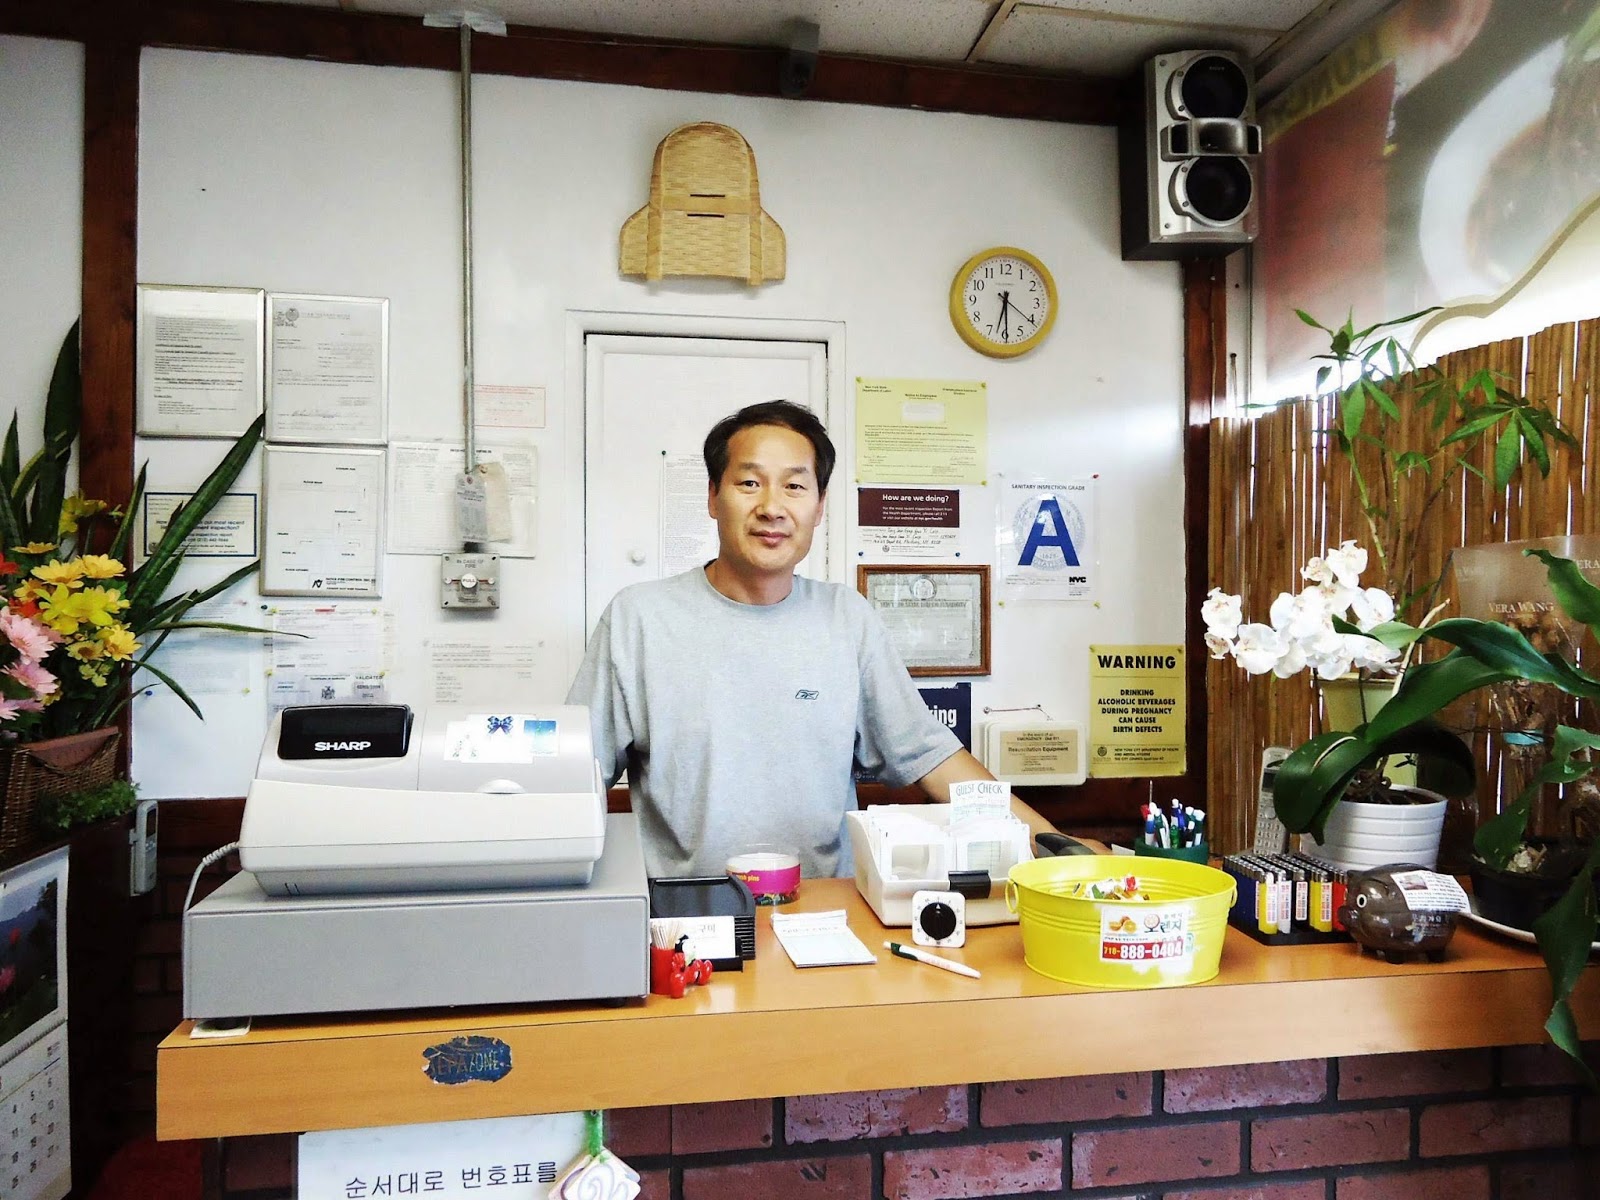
(1049, 529)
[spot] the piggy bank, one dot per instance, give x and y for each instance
(1387, 915)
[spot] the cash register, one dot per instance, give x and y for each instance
(395, 859)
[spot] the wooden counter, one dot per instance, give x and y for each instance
(773, 1030)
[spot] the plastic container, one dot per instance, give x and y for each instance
(1196, 854)
(771, 872)
(1171, 939)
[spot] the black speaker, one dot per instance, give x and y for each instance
(1187, 154)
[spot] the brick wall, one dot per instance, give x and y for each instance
(1506, 1124)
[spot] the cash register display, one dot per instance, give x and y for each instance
(334, 731)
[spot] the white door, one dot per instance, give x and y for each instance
(648, 404)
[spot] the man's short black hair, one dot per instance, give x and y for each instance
(770, 412)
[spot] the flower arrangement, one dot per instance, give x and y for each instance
(76, 623)
(1315, 775)
(1397, 485)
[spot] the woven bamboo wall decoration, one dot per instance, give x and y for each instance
(704, 216)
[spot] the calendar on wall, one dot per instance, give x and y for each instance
(35, 1143)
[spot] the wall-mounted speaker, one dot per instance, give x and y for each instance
(1186, 157)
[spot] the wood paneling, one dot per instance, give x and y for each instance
(898, 1024)
(330, 35)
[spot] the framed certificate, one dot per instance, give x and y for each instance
(199, 360)
(322, 531)
(937, 617)
(327, 369)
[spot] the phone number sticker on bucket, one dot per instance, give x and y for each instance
(1146, 935)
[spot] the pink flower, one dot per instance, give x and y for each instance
(33, 677)
(10, 708)
(32, 639)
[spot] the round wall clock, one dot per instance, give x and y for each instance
(1003, 302)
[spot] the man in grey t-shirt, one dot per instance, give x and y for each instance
(738, 696)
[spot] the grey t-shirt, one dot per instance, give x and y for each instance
(741, 723)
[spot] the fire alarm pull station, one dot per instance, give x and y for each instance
(470, 581)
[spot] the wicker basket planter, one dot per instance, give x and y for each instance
(60, 766)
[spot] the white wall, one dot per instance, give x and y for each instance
(41, 216)
(324, 178)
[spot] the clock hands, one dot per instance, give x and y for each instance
(1005, 316)
(1005, 303)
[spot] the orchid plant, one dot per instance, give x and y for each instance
(1304, 631)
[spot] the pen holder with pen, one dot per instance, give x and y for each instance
(1200, 853)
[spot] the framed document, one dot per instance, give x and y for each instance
(199, 360)
(322, 532)
(937, 617)
(327, 369)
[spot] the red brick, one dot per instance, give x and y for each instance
(800, 1178)
(655, 1185)
(1537, 1066)
(730, 1125)
(1306, 1189)
(1550, 1180)
(159, 1013)
(1329, 1139)
(1589, 1121)
(998, 1169)
(639, 1132)
(172, 974)
(1114, 1157)
(164, 936)
(1484, 1126)
(1088, 1098)
(1428, 1073)
(1430, 1183)
(251, 1163)
(1304, 1081)
(147, 975)
(844, 1116)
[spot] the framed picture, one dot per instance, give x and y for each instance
(33, 951)
(937, 617)
(199, 356)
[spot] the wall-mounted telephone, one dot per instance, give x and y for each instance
(142, 849)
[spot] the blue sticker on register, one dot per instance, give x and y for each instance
(541, 736)
(468, 1060)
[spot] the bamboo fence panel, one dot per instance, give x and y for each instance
(1277, 498)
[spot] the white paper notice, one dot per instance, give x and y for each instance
(508, 406)
(344, 656)
(822, 939)
(509, 1158)
(199, 360)
(688, 534)
(324, 521)
(212, 662)
(327, 368)
(484, 672)
(227, 531)
(1044, 541)
(422, 497)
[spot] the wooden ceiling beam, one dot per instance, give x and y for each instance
(372, 39)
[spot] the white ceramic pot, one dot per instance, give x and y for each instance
(1361, 835)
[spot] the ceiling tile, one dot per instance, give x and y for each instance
(1039, 37)
(1276, 15)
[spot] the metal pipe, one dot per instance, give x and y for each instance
(468, 399)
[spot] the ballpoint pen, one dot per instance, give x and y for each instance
(933, 960)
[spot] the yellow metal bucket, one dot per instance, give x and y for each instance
(1171, 939)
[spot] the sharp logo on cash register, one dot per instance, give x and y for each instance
(325, 747)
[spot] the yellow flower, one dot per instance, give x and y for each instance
(65, 610)
(32, 589)
(100, 566)
(75, 508)
(86, 650)
(118, 642)
(54, 572)
(35, 548)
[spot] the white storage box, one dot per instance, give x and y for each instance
(901, 849)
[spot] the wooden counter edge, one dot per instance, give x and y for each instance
(220, 1089)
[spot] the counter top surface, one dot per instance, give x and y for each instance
(774, 1029)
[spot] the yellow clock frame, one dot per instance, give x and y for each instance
(962, 320)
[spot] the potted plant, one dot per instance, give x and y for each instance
(76, 624)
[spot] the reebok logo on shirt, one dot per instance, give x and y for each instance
(806, 694)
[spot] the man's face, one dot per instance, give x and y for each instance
(767, 505)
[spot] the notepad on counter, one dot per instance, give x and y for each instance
(820, 939)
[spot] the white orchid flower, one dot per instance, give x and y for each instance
(1347, 563)
(1333, 666)
(1369, 653)
(1222, 613)
(1259, 648)
(1316, 571)
(1372, 607)
(1292, 662)
(1299, 616)
(1219, 646)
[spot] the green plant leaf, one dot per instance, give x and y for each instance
(1507, 455)
(1382, 399)
(1311, 321)
(1565, 933)
(1578, 598)
(121, 540)
(1352, 410)
(1395, 634)
(1473, 427)
(173, 684)
(1505, 649)
(41, 485)
(1501, 836)
(143, 584)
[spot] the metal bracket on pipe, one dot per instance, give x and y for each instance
(476, 21)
